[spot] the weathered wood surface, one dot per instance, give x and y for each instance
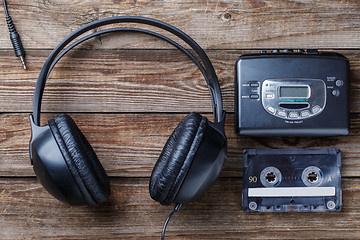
(227, 24)
(128, 145)
(128, 81)
(30, 212)
(127, 96)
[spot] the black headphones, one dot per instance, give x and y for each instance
(189, 164)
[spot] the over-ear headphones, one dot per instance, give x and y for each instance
(189, 164)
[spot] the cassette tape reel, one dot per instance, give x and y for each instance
(292, 180)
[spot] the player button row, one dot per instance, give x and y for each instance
(293, 114)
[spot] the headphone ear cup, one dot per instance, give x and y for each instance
(176, 157)
(81, 160)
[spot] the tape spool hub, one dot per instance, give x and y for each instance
(270, 177)
(312, 176)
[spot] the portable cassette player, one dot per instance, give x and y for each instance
(292, 94)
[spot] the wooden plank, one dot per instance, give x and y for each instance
(29, 212)
(214, 24)
(128, 145)
(127, 81)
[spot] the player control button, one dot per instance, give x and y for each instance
(254, 96)
(269, 95)
(305, 113)
(254, 84)
(335, 92)
(282, 113)
(316, 109)
(271, 110)
(339, 83)
(293, 115)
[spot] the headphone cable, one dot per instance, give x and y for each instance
(6, 9)
(15, 37)
(177, 208)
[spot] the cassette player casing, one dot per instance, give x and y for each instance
(292, 94)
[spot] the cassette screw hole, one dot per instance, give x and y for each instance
(278, 206)
(292, 201)
(313, 177)
(270, 177)
(252, 206)
(305, 206)
(330, 205)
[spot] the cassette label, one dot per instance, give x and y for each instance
(292, 180)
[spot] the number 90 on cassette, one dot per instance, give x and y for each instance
(292, 180)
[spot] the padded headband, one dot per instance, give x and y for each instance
(211, 77)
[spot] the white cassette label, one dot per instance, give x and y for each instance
(292, 192)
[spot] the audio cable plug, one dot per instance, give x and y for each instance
(15, 37)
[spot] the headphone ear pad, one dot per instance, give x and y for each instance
(81, 160)
(176, 157)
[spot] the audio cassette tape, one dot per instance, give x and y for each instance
(292, 180)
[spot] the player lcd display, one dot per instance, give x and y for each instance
(294, 92)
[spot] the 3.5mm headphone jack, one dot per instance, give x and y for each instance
(15, 38)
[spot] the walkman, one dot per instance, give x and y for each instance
(302, 93)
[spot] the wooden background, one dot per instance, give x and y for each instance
(127, 92)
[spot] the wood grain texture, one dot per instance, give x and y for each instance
(227, 24)
(128, 145)
(128, 81)
(127, 92)
(28, 212)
